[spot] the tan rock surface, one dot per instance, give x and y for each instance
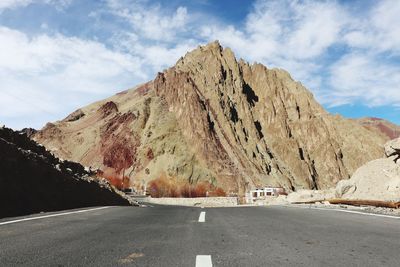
(310, 195)
(213, 118)
(376, 180)
(391, 147)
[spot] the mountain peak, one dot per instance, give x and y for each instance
(204, 54)
(214, 45)
(213, 119)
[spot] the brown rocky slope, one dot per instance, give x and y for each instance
(384, 127)
(213, 118)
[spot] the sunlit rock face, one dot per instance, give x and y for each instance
(376, 180)
(214, 118)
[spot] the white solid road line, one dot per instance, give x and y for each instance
(203, 261)
(202, 217)
(350, 211)
(362, 213)
(51, 215)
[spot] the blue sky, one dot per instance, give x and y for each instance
(58, 55)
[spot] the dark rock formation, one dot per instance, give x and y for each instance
(33, 180)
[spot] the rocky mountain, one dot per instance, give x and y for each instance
(214, 118)
(33, 180)
(388, 129)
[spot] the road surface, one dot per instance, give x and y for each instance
(186, 236)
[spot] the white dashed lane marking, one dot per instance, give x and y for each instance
(203, 261)
(202, 217)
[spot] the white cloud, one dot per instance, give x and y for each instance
(36, 71)
(292, 35)
(342, 56)
(150, 21)
(317, 27)
(297, 36)
(13, 3)
(154, 57)
(58, 4)
(160, 57)
(370, 72)
(284, 29)
(364, 79)
(379, 30)
(52, 75)
(153, 33)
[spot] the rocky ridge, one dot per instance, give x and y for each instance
(214, 118)
(386, 128)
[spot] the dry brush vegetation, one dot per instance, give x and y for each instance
(165, 186)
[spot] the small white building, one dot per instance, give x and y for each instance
(263, 193)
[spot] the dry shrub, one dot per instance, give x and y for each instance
(125, 182)
(185, 191)
(115, 179)
(165, 186)
(174, 192)
(197, 190)
(200, 190)
(218, 192)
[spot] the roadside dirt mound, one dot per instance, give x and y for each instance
(310, 195)
(33, 180)
(377, 180)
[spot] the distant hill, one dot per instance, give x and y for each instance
(33, 180)
(213, 118)
(388, 129)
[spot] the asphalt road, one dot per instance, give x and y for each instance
(173, 236)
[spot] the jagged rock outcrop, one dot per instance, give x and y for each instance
(29, 132)
(376, 180)
(213, 118)
(33, 180)
(392, 149)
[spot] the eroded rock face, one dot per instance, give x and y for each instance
(216, 119)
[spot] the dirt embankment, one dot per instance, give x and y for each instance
(33, 180)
